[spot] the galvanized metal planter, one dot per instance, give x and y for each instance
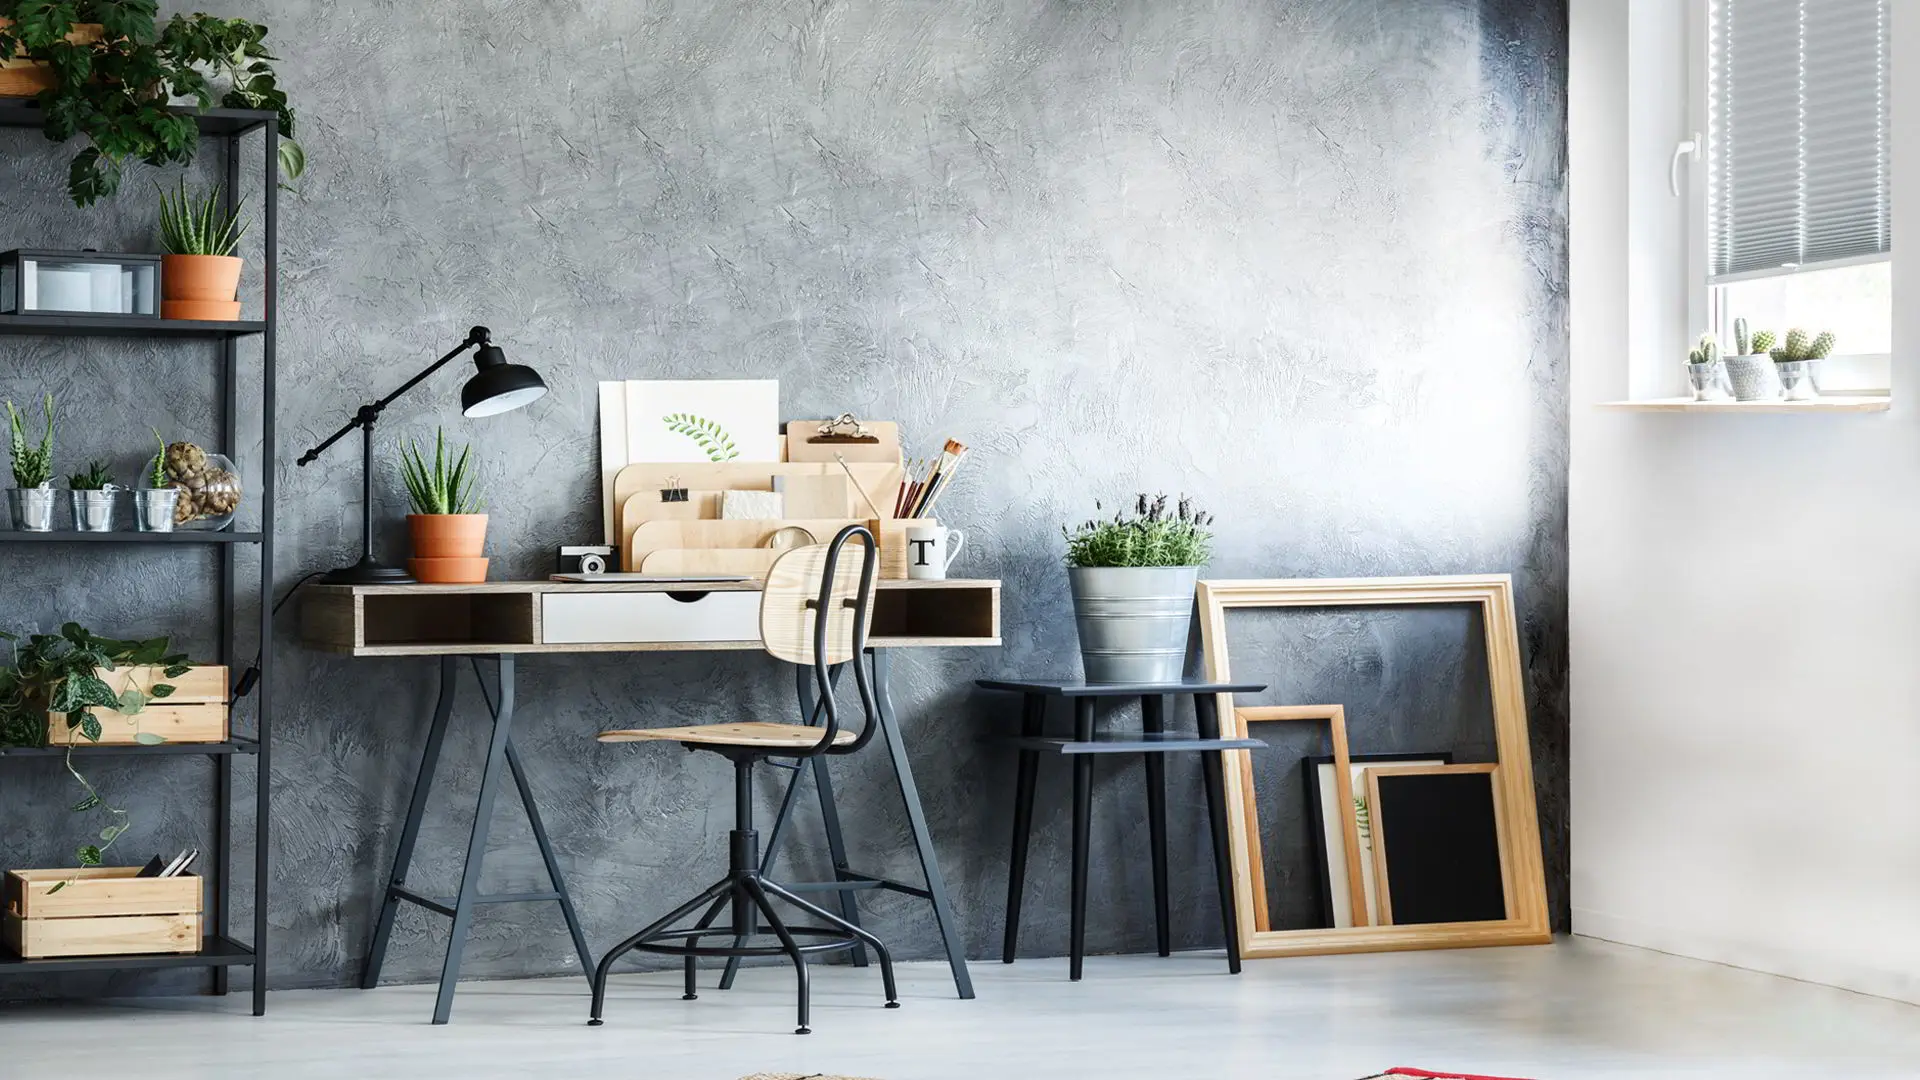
(1133, 621)
(153, 509)
(93, 510)
(32, 508)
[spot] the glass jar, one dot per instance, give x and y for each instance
(209, 486)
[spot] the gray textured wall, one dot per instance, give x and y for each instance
(1303, 260)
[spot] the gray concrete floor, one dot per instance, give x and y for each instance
(1573, 1010)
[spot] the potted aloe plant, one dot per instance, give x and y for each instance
(1133, 579)
(449, 531)
(31, 498)
(155, 505)
(93, 494)
(199, 274)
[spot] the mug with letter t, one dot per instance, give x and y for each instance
(931, 548)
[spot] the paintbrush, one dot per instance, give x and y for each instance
(950, 457)
(868, 499)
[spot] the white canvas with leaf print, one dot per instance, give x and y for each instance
(671, 420)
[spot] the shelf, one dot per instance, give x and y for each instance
(1135, 742)
(1847, 404)
(235, 745)
(26, 113)
(184, 536)
(124, 326)
(214, 952)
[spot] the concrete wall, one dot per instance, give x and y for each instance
(1742, 631)
(1303, 261)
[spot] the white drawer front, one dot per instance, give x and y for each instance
(591, 618)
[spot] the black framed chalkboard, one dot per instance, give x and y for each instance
(1437, 831)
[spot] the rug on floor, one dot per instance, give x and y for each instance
(1422, 1074)
(1425, 1075)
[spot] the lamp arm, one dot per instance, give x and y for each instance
(367, 414)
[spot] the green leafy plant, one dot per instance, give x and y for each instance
(157, 472)
(98, 477)
(1801, 345)
(60, 674)
(1148, 537)
(445, 487)
(32, 465)
(113, 89)
(1707, 352)
(710, 437)
(197, 226)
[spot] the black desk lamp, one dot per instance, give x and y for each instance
(495, 388)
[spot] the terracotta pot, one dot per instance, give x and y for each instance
(27, 78)
(204, 310)
(448, 571)
(200, 277)
(448, 536)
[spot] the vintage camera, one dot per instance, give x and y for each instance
(586, 559)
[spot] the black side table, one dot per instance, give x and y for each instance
(1151, 744)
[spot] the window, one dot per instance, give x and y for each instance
(1798, 207)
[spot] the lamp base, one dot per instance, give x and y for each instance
(368, 571)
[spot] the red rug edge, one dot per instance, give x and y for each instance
(1423, 1075)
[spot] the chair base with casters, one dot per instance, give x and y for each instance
(815, 612)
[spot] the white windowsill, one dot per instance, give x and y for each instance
(1832, 403)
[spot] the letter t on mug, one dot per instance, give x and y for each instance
(931, 549)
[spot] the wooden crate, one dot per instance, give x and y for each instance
(196, 711)
(102, 911)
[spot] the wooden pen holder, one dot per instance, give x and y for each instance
(101, 911)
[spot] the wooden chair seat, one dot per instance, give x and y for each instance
(755, 733)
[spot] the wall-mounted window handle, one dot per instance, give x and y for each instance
(1689, 148)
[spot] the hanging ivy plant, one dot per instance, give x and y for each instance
(113, 90)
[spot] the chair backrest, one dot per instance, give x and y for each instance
(798, 585)
(816, 611)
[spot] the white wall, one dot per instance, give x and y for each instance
(1745, 594)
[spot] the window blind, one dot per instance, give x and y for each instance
(1798, 155)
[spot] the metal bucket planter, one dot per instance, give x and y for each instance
(1796, 380)
(32, 508)
(1708, 381)
(1133, 621)
(1753, 377)
(153, 509)
(93, 510)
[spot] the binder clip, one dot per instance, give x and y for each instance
(673, 492)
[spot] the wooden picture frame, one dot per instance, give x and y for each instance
(1335, 717)
(1323, 815)
(1522, 864)
(1377, 781)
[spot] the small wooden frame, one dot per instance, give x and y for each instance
(1335, 717)
(1522, 863)
(1377, 808)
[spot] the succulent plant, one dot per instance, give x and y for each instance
(98, 477)
(157, 475)
(1707, 352)
(32, 465)
(1763, 342)
(195, 225)
(1801, 345)
(1742, 340)
(1822, 346)
(446, 485)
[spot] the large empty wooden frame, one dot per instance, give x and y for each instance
(1522, 867)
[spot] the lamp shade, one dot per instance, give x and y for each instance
(498, 386)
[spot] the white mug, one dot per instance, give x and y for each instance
(931, 549)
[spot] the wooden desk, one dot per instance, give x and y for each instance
(503, 619)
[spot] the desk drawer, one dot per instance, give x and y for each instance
(595, 618)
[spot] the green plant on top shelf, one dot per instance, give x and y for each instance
(32, 465)
(98, 477)
(195, 225)
(60, 674)
(447, 485)
(114, 67)
(1150, 537)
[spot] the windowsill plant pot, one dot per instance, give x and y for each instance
(1708, 381)
(1753, 378)
(1133, 582)
(449, 535)
(1796, 380)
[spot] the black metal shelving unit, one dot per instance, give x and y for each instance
(221, 951)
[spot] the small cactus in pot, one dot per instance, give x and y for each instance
(1704, 371)
(1751, 371)
(1796, 359)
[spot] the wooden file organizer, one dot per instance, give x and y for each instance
(658, 536)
